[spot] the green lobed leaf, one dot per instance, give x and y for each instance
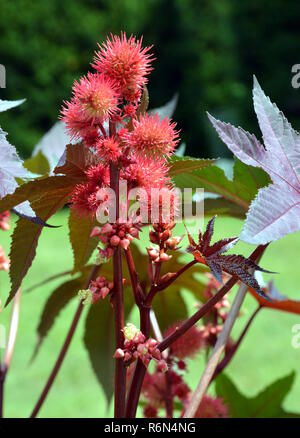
(266, 404)
(236, 194)
(179, 165)
(26, 234)
(37, 164)
(58, 299)
(36, 189)
(83, 245)
(75, 160)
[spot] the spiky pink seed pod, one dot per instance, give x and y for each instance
(125, 61)
(151, 136)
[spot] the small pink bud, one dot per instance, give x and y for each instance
(96, 231)
(119, 354)
(134, 232)
(115, 240)
(153, 236)
(103, 238)
(164, 257)
(162, 366)
(156, 354)
(107, 228)
(110, 285)
(125, 243)
(152, 343)
(104, 291)
(153, 253)
(127, 356)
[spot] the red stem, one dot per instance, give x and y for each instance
(159, 287)
(140, 369)
(118, 306)
(137, 290)
(64, 349)
(228, 357)
(207, 306)
(2, 380)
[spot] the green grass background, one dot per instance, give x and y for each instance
(265, 355)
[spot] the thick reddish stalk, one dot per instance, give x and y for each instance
(118, 305)
(2, 380)
(137, 291)
(64, 349)
(140, 369)
(207, 306)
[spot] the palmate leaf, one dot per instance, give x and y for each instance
(58, 299)
(74, 161)
(6, 105)
(266, 404)
(37, 164)
(278, 301)
(34, 190)
(53, 144)
(26, 234)
(213, 257)
(180, 165)
(275, 211)
(83, 245)
(11, 166)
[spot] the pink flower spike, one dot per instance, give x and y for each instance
(95, 99)
(125, 61)
(152, 136)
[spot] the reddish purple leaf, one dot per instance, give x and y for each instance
(275, 211)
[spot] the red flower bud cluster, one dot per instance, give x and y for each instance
(4, 225)
(100, 288)
(161, 235)
(156, 390)
(4, 261)
(4, 221)
(214, 319)
(114, 235)
(136, 346)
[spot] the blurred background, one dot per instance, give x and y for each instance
(206, 50)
